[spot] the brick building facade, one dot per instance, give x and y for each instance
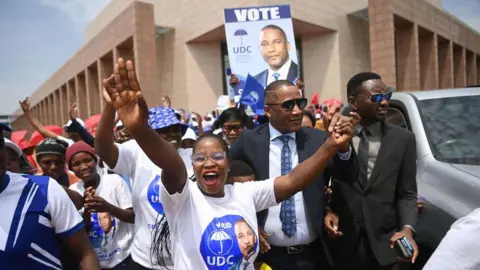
(179, 50)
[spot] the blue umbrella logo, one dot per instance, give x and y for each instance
(240, 33)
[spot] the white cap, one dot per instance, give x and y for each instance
(80, 121)
(189, 135)
(13, 146)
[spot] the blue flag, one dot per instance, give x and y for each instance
(252, 95)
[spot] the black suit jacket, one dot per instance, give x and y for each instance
(253, 147)
(388, 202)
(292, 75)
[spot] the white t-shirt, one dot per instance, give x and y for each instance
(209, 233)
(146, 176)
(113, 245)
(460, 247)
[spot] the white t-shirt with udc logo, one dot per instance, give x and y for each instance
(214, 233)
(111, 238)
(146, 177)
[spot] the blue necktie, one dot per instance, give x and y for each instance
(276, 75)
(287, 210)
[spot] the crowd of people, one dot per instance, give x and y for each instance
(301, 187)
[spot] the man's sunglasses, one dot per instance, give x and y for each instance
(377, 98)
(290, 104)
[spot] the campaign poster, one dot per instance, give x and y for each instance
(261, 45)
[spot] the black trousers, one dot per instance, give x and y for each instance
(311, 258)
(364, 259)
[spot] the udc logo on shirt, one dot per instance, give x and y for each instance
(224, 241)
(153, 195)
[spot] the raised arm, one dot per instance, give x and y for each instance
(127, 99)
(75, 126)
(25, 105)
(105, 147)
(306, 172)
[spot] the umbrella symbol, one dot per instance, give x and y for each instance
(240, 33)
(220, 236)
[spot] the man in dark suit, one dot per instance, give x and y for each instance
(380, 206)
(275, 48)
(295, 243)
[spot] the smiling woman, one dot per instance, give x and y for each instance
(107, 209)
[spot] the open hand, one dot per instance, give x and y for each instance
(73, 111)
(166, 101)
(25, 104)
(126, 96)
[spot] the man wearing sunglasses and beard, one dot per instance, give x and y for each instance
(293, 227)
(380, 206)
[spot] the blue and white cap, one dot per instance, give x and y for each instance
(162, 117)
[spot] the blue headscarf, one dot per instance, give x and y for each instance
(162, 117)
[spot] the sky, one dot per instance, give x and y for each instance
(39, 36)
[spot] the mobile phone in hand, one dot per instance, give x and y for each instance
(404, 248)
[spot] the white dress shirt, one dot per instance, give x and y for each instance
(305, 230)
(283, 71)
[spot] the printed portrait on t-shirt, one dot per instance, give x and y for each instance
(103, 228)
(225, 241)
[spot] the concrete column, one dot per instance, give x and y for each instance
(408, 64)
(92, 84)
(382, 40)
(105, 69)
(145, 53)
(71, 94)
(40, 112)
(51, 110)
(445, 64)
(471, 68)
(47, 111)
(478, 68)
(56, 107)
(64, 107)
(428, 61)
(459, 72)
(81, 94)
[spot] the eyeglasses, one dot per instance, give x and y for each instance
(200, 158)
(290, 104)
(229, 128)
(377, 98)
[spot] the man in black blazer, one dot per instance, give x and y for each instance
(380, 206)
(263, 149)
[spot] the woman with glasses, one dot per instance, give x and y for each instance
(203, 215)
(232, 122)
